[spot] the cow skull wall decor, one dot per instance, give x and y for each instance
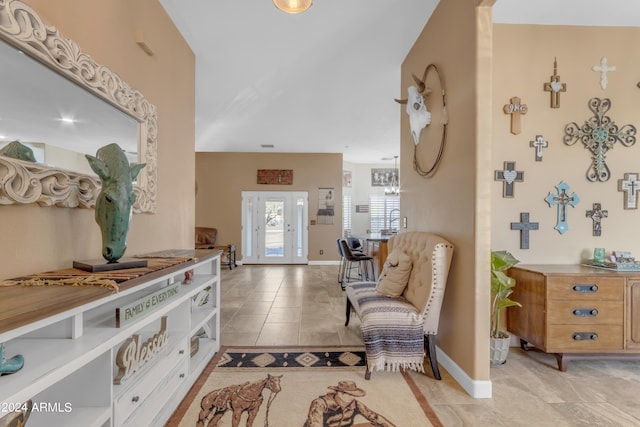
(419, 117)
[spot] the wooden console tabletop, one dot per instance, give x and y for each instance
(22, 305)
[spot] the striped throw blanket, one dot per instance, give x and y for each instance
(392, 330)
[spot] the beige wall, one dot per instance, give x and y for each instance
(455, 201)
(37, 239)
(221, 177)
(523, 62)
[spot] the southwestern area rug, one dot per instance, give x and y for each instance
(300, 386)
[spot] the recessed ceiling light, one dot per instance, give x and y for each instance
(67, 120)
(266, 145)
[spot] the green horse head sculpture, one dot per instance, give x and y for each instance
(116, 198)
(17, 150)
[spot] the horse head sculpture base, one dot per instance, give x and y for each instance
(96, 265)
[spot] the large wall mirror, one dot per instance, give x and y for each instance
(59, 102)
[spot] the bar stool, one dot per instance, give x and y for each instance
(352, 260)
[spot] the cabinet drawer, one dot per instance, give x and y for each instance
(144, 382)
(160, 398)
(563, 338)
(585, 312)
(586, 288)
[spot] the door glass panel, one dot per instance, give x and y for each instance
(248, 216)
(274, 228)
(299, 227)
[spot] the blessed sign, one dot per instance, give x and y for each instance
(132, 355)
(134, 310)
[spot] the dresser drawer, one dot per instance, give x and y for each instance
(140, 386)
(586, 288)
(565, 338)
(584, 312)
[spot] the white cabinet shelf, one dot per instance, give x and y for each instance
(70, 350)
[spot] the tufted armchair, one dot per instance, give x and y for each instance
(399, 327)
(205, 238)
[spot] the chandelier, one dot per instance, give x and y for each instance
(394, 183)
(293, 6)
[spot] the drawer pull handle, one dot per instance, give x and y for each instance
(181, 375)
(584, 336)
(585, 312)
(135, 398)
(181, 352)
(585, 288)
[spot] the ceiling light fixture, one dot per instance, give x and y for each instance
(293, 6)
(394, 188)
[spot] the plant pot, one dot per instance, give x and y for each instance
(499, 350)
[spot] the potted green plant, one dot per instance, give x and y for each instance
(501, 288)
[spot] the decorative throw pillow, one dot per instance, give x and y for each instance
(395, 274)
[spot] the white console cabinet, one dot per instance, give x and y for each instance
(70, 347)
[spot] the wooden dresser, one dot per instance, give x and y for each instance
(576, 312)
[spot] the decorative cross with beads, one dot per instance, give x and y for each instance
(524, 226)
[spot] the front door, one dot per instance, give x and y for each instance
(274, 227)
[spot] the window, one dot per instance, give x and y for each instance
(384, 212)
(346, 214)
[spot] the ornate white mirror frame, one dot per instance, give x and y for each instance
(23, 182)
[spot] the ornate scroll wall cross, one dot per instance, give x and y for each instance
(562, 199)
(515, 108)
(598, 135)
(524, 226)
(508, 176)
(539, 143)
(630, 186)
(603, 69)
(555, 87)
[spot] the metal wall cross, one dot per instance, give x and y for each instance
(596, 214)
(538, 144)
(515, 108)
(524, 226)
(562, 199)
(508, 176)
(554, 86)
(603, 69)
(598, 135)
(630, 186)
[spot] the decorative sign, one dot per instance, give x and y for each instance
(326, 203)
(384, 177)
(275, 176)
(562, 199)
(539, 143)
(524, 226)
(132, 355)
(508, 176)
(515, 109)
(132, 311)
(362, 208)
(603, 69)
(596, 214)
(630, 186)
(554, 86)
(598, 134)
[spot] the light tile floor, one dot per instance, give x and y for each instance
(304, 305)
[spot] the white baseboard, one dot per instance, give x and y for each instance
(477, 389)
(336, 262)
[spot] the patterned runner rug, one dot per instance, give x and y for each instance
(300, 386)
